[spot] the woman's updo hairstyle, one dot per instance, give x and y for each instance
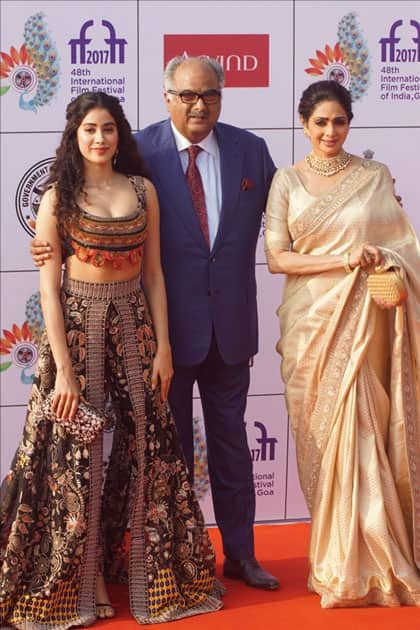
(321, 91)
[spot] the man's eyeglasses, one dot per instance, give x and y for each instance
(210, 97)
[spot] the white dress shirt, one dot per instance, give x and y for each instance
(208, 163)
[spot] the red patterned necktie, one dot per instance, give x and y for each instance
(193, 179)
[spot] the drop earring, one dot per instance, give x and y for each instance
(114, 159)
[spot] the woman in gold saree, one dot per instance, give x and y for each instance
(351, 368)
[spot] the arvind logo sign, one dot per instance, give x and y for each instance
(244, 58)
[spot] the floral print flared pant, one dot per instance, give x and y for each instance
(53, 514)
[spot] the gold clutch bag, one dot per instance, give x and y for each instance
(86, 424)
(386, 287)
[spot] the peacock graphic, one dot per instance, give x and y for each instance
(348, 61)
(33, 70)
(34, 316)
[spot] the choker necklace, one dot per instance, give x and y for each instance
(328, 166)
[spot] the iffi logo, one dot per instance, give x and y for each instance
(390, 52)
(267, 445)
(81, 53)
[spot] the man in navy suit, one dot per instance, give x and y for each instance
(211, 287)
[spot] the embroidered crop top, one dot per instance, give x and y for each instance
(117, 240)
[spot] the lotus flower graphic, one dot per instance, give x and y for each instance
(18, 345)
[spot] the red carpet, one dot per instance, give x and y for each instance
(282, 549)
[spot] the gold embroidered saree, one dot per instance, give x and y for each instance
(351, 372)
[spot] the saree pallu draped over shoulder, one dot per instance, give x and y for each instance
(351, 372)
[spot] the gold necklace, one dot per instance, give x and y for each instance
(328, 166)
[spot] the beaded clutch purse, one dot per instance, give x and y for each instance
(86, 424)
(386, 287)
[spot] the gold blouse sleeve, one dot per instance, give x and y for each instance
(276, 234)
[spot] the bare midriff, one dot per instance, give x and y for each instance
(79, 270)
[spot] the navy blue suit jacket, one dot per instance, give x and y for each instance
(216, 289)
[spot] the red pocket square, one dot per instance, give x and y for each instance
(247, 184)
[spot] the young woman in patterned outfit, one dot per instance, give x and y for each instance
(106, 340)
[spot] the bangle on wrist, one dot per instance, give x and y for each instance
(346, 263)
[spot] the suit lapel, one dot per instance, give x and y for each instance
(231, 172)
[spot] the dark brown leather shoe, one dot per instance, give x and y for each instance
(250, 572)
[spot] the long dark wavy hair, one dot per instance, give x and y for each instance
(67, 173)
